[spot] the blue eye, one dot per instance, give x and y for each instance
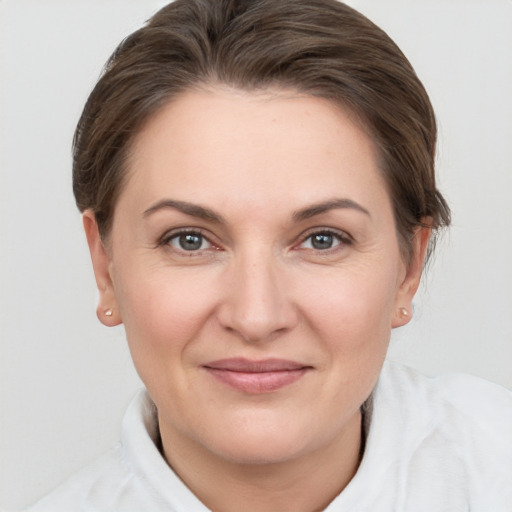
(189, 242)
(322, 241)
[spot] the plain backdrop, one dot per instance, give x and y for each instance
(65, 379)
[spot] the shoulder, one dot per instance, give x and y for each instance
(102, 485)
(454, 431)
(91, 488)
(469, 402)
(131, 477)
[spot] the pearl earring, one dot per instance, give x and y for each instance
(108, 312)
(403, 312)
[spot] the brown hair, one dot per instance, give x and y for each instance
(319, 47)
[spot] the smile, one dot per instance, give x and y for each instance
(256, 377)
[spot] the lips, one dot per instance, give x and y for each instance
(255, 377)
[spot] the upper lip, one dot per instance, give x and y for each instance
(243, 365)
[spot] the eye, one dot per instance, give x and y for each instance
(189, 241)
(322, 240)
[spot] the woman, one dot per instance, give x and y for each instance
(258, 195)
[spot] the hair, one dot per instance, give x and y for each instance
(317, 47)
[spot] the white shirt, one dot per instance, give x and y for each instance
(434, 445)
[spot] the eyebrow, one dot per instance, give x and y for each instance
(206, 214)
(325, 206)
(191, 209)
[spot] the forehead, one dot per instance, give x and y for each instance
(213, 145)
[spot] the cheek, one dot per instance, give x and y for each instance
(352, 308)
(162, 312)
(351, 319)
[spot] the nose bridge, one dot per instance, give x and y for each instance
(257, 305)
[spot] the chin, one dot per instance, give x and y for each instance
(256, 444)
(261, 451)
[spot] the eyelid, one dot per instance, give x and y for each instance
(343, 237)
(176, 232)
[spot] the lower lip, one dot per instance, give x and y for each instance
(257, 382)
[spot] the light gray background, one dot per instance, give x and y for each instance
(65, 379)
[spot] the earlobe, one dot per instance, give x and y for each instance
(107, 309)
(411, 280)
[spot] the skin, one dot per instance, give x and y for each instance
(270, 167)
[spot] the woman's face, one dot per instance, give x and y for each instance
(255, 265)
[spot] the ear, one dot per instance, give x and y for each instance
(411, 280)
(107, 309)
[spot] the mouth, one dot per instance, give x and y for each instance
(256, 377)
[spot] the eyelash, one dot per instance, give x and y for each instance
(168, 237)
(343, 239)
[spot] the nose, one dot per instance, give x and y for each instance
(257, 305)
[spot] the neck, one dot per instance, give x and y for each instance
(305, 483)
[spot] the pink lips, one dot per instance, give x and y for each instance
(256, 376)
